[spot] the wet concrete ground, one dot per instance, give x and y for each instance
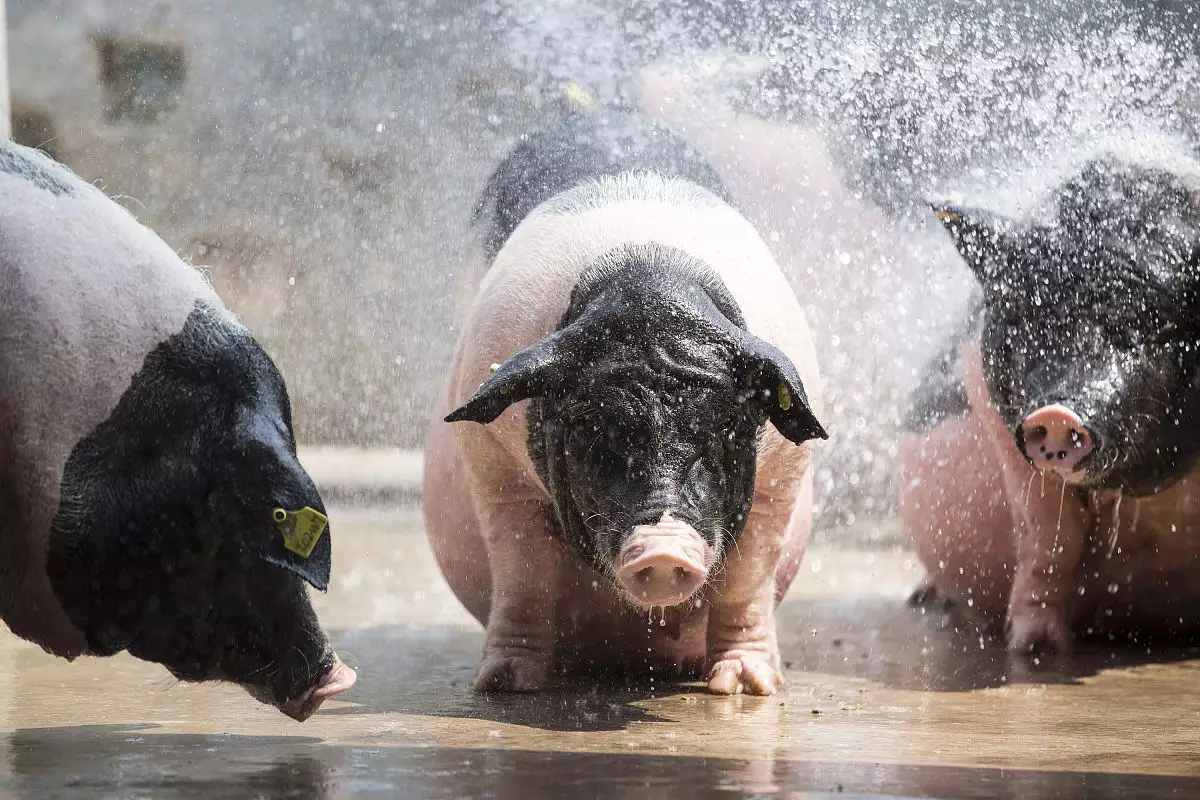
(881, 700)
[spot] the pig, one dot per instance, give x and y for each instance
(612, 496)
(1048, 476)
(151, 493)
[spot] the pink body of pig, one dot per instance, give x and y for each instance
(490, 518)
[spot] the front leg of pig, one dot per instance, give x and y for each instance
(525, 563)
(1049, 545)
(1050, 528)
(742, 647)
(743, 651)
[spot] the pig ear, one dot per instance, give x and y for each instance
(301, 544)
(296, 539)
(772, 375)
(983, 239)
(530, 373)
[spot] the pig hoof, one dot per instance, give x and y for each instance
(511, 674)
(749, 673)
(1039, 632)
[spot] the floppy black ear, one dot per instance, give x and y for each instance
(530, 373)
(283, 517)
(984, 240)
(301, 544)
(773, 376)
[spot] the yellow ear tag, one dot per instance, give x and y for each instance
(491, 371)
(947, 216)
(580, 95)
(785, 397)
(301, 529)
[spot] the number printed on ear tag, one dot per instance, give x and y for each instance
(301, 529)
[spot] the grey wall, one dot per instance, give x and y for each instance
(4, 119)
(321, 159)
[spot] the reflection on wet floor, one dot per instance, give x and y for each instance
(880, 700)
(139, 762)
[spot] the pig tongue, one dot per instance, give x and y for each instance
(336, 681)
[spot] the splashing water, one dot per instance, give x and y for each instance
(900, 99)
(1116, 525)
(662, 617)
(1062, 498)
(904, 101)
(1029, 488)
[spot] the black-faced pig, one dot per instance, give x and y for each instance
(654, 337)
(152, 499)
(1050, 476)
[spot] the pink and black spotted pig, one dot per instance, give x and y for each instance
(627, 480)
(1049, 480)
(150, 496)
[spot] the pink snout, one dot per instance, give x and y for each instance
(336, 681)
(663, 564)
(1055, 439)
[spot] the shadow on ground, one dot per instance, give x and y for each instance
(900, 647)
(429, 670)
(136, 762)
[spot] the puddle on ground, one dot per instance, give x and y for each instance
(136, 762)
(880, 700)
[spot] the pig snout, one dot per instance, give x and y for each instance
(339, 678)
(663, 564)
(1054, 438)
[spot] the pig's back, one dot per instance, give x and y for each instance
(86, 292)
(577, 151)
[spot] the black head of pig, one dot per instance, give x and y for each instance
(648, 399)
(167, 543)
(1094, 309)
